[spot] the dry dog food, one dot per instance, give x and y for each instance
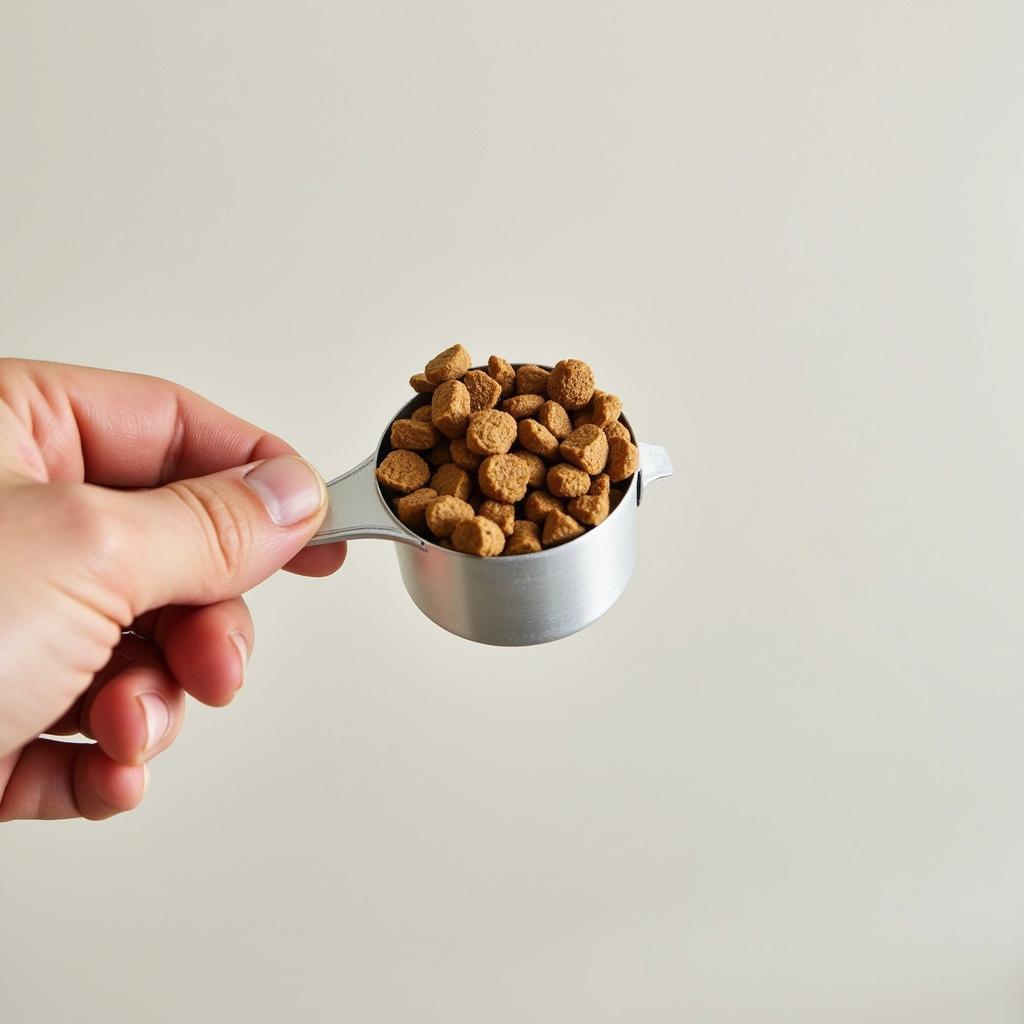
(507, 460)
(478, 536)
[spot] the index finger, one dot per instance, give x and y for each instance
(131, 430)
(126, 429)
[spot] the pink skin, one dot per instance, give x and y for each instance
(64, 424)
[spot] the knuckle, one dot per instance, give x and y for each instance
(86, 520)
(227, 533)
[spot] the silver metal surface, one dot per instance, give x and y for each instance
(654, 465)
(355, 509)
(508, 602)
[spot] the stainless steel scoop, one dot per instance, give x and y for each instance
(508, 602)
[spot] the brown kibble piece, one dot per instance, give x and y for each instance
(617, 429)
(490, 432)
(601, 484)
(503, 478)
(556, 419)
(439, 455)
(484, 391)
(558, 528)
(450, 364)
(403, 472)
(521, 406)
(532, 380)
(586, 447)
(462, 456)
(451, 479)
(571, 384)
(478, 536)
(422, 414)
(497, 512)
(450, 408)
(535, 437)
(419, 383)
(623, 459)
(501, 370)
(537, 466)
(413, 435)
(444, 512)
(565, 481)
(589, 509)
(525, 539)
(410, 509)
(539, 504)
(605, 409)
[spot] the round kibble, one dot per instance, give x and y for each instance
(403, 472)
(450, 364)
(623, 459)
(532, 380)
(525, 539)
(589, 509)
(478, 536)
(452, 479)
(537, 466)
(535, 437)
(497, 512)
(462, 456)
(558, 528)
(413, 435)
(521, 406)
(484, 391)
(501, 370)
(411, 507)
(617, 430)
(571, 384)
(449, 408)
(556, 419)
(419, 383)
(539, 504)
(503, 478)
(439, 454)
(565, 481)
(605, 409)
(490, 432)
(586, 447)
(444, 513)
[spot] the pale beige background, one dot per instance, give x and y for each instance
(781, 781)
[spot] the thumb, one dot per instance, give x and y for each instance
(203, 540)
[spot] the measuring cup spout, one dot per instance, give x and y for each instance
(654, 465)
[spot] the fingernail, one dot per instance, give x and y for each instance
(157, 715)
(242, 646)
(290, 489)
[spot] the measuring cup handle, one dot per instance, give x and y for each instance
(355, 510)
(654, 465)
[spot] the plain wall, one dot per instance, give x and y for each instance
(780, 780)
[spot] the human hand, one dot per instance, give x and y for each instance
(128, 503)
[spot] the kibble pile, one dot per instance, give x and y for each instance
(507, 460)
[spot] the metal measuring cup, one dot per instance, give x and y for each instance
(513, 601)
